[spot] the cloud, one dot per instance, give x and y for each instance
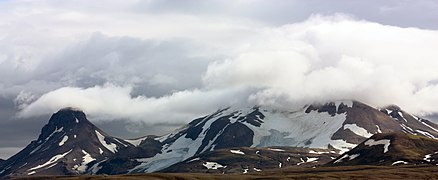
(336, 57)
(111, 102)
(324, 58)
(210, 54)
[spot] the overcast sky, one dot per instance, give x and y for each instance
(139, 67)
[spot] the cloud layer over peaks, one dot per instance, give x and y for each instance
(321, 59)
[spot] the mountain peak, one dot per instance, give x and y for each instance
(68, 117)
(392, 107)
(68, 144)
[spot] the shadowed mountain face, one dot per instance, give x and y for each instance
(391, 149)
(70, 144)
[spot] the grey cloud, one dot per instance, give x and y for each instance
(403, 13)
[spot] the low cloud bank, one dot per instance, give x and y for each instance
(321, 59)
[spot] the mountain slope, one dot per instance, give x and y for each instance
(68, 144)
(391, 149)
(248, 160)
(338, 125)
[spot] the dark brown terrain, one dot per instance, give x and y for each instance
(342, 172)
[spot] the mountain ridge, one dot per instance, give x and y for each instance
(394, 148)
(76, 146)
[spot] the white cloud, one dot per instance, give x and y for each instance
(336, 57)
(111, 102)
(321, 59)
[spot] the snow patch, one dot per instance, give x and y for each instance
(196, 159)
(258, 170)
(278, 150)
(85, 160)
(237, 152)
(354, 156)
(32, 172)
(401, 115)
(378, 129)
(311, 159)
(213, 165)
(384, 142)
(280, 164)
(425, 134)
(358, 130)
(136, 142)
(341, 159)
(51, 161)
(64, 139)
(297, 128)
(399, 162)
(245, 171)
(308, 160)
(317, 152)
(342, 145)
(427, 157)
(111, 146)
(54, 132)
(429, 126)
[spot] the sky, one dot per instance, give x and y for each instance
(140, 67)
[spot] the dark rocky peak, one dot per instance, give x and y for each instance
(393, 110)
(331, 108)
(68, 117)
(65, 120)
(392, 107)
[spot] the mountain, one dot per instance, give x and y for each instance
(337, 126)
(391, 149)
(69, 144)
(247, 160)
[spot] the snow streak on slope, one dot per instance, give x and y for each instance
(64, 139)
(51, 161)
(180, 150)
(84, 164)
(358, 130)
(384, 142)
(110, 146)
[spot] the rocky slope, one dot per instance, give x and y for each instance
(391, 149)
